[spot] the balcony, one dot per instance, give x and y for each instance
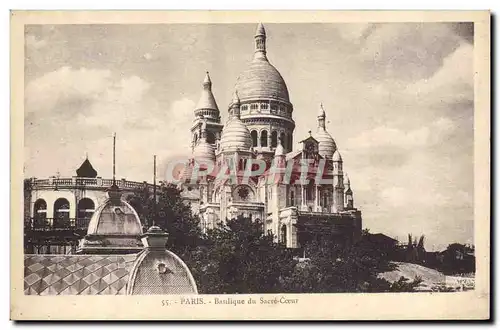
(55, 224)
(79, 182)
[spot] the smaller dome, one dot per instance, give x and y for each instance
(204, 152)
(115, 218)
(327, 145)
(186, 172)
(336, 156)
(235, 134)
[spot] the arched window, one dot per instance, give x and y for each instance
(61, 212)
(324, 198)
(263, 139)
(290, 142)
(274, 139)
(292, 198)
(210, 137)
(283, 234)
(282, 140)
(86, 208)
(40, 211)
(254, 138)
(310, 191)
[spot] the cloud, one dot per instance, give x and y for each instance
(356, 32)
(77, 111)
(453, 82)
(403, 197)
(464, 30)
(384, 136)
(33, 43)
(407, 51)
(52, 91)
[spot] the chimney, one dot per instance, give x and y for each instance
(155, 238)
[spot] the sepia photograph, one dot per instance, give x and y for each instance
(261, 161)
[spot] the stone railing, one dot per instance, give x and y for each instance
(78, 182)
(50, 224)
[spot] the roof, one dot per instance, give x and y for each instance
(382, 238)
(204, 152)
(336, 156)
(261, 80)
(147, 272)
(234, 135)
(86, 170)
(327, 145)
(309, 138)
(207, 99)
(77, 274)
(118, 218)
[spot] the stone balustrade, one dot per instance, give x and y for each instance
(75, 182)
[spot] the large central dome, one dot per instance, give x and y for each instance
(261, 80)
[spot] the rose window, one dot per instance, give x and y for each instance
(243, 193)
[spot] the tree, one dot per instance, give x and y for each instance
(457, 259)
(239, 258)
(404, 285)
(171, 214)
(336, 268)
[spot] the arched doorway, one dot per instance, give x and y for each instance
(86, 208)
(61, 213)
(40, 213)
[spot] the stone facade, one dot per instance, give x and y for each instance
(311, 202)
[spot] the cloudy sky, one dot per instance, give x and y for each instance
(398, 97)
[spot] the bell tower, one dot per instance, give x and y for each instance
(206, 111)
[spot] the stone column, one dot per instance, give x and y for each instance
(316, 199)
(303, 203)
(269, 133)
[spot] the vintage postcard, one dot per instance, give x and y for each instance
(260, 165)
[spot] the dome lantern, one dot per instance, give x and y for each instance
(260, 43)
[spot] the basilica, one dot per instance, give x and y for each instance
(305, 203)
